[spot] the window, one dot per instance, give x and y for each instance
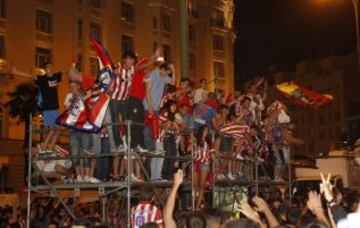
(127, 12)
(322, 135)
(79, 62)
(193, 9)
(218, 43)
(98, 4)
(192, 37)
(43, 21)
(217, 18)
(312, 148)
(166, 22)
(192, 62)
(3, 9)
(155, 22)
(94, 66)
(2, 47)
(95, 29)
(311, 118)
(80, 29)
(127, 43)
(2, 121)
(219, 69)
(167, 52)
(330, 134)
(337, 115)
(42, 56)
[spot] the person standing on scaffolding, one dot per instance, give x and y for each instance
(118, 108)
(49, 103)
(155, 86)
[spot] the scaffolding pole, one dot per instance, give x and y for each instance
(117, 186)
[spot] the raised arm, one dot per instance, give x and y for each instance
(173, 78)
(170, 203)
(148, 86)
(314, 204)
(151, 61)
(264, 208)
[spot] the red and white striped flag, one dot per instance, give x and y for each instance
(235, 130)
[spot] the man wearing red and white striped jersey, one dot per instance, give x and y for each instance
(145, 212)
(119, 91)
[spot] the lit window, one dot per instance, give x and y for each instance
(127, 12)
(127, 43)
(42, 56)
(43, 21)
(219, 69)
(218, 43)
(166, 22)
(94, 66)
(95, 29)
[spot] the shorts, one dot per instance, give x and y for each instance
(201, 166)
(49, 117)
(225, 144)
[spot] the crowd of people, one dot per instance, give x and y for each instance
(216, 131)
(326, 206)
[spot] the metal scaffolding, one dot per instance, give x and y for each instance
(105, 189)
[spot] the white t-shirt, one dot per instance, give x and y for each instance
(199, 95)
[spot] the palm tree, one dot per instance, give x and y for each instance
(22, 103)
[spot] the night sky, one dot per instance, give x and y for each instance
(284, 32)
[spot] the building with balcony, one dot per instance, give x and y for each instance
(33, 32)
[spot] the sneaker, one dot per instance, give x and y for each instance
(141, 150)
(239, 157)
(91, 180)
(230, 176)
(79, 179)
(135, 179)
(220, 177)
(159, 180)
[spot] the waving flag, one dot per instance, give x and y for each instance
(235, 130)
(88, 115)
(304, 96)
